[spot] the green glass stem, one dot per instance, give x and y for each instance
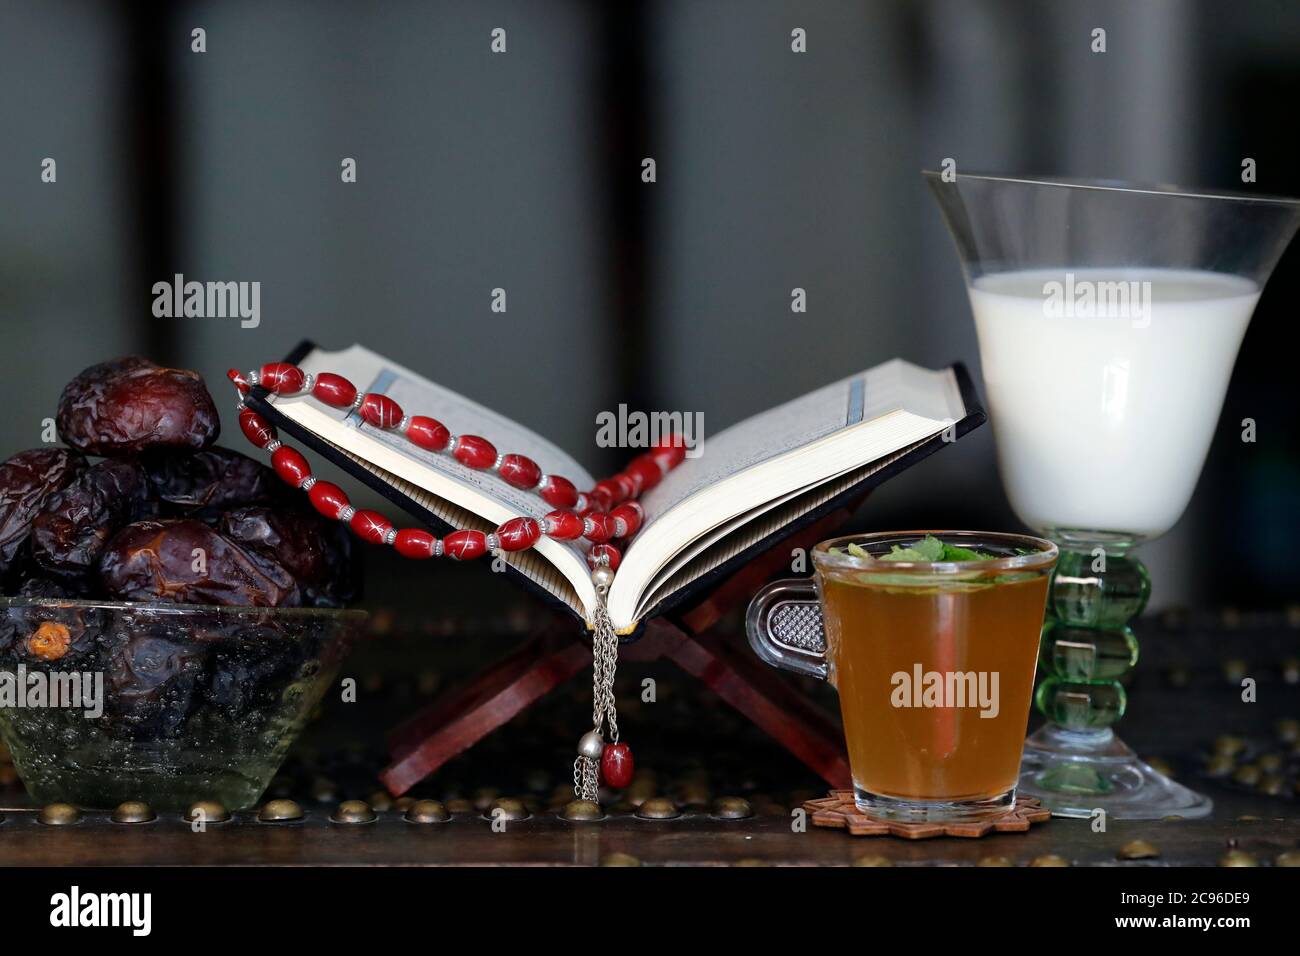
(1087, 642)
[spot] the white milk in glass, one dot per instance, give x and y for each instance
(1103, 421)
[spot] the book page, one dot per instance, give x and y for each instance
(741, 534)
(843, 404)
(482, 493)
(799, 445)
(418, 396)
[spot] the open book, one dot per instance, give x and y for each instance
(752, 483)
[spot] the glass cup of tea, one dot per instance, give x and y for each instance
(931, 640)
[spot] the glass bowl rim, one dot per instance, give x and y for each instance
(233, 610)
(1042, 558)
(1171, 190)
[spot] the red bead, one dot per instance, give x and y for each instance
(290, 465)
(380, 411)
(327, 498)
(562, 525)
(518, 534)
(606, 493)
(241, 383)
(630, 517)
(475, 452)
(334, 390)
(645, 470)
(256, 428)
(520, 471)
(640, 512)
(598, 527)
(558, 492)
(616, 765)
(668, 457)
(428, 433)
(282, 378)
(627, 488)
(370, 526)
(415, 543)
(465, 545)
(610, 553)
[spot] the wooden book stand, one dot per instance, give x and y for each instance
(690, 640)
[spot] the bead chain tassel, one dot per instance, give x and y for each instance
(608, 512)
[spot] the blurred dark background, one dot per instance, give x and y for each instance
(522, 170)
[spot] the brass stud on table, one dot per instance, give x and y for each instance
(1137, 850)
(1049, 859)
(1288, 858)
(427, 811)
(658, 808)
(1247, 775)
(620, 859)
(461, 805)
(582, 811)
(1235, 670)
(1228, 745)
(872, 860)
(133, 811)
(59, 815)
(280, 811)
(731, 808)
(1220, 765)
(1272, 786)
(508, 809)
(209, 811)
(381, 801)
(354, 811)
(994, 861)
(1237, 858)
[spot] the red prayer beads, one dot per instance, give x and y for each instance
(465, 545)
(519, 471)
(474, 452)
(334, 390)
(428, 433)
(577, 515)
(616, 765)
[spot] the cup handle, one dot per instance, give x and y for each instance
(784, 625)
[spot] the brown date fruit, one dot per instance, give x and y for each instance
(26, 481)
(131, 405)
(43, 587)
(154, 683)
(306, 545)
(210, 481)
(184, 561)
(69, 534)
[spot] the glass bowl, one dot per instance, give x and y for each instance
(103, 702)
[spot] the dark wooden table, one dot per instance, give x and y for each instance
(1186, 712)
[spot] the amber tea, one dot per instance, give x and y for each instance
(931, 641)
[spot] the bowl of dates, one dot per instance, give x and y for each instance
(170, 612)
(166, 703)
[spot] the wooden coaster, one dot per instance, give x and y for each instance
(838, 810)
